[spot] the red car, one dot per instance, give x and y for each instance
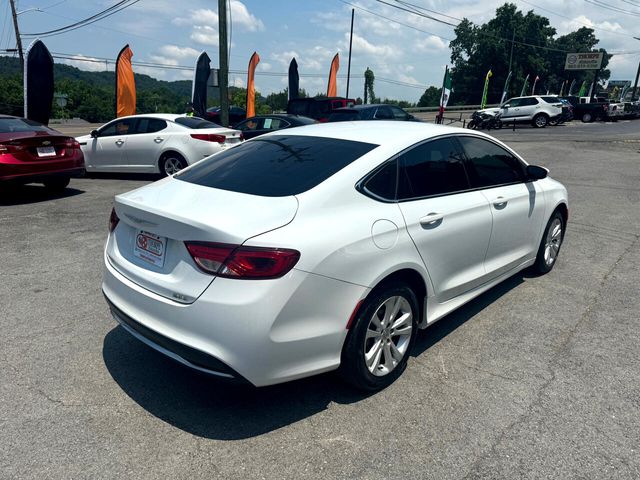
(34, 153)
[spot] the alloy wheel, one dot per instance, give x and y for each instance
(552, 242)
(388, 335)
(172, 165)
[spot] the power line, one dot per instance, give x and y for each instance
(576, 21)
(87, 21)
(394, 21)
(612, 8)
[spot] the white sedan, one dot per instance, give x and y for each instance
(326, 247)
(154, 143)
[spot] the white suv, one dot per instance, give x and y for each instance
(535, 109)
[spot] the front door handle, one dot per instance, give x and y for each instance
(431, 219)
(500, 202)
(158, 139)
(119, 142)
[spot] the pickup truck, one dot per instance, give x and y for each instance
(588, 111)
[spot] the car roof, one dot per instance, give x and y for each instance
(163, 116)
(395, 134)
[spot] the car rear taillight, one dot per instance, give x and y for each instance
(71, 143)
(8, 148)
(233, 261)
(209, 137)
(113, 220)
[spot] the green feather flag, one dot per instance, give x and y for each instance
(583, 89)
(486, 89)
(524, 86)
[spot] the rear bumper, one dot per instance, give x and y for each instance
(263, 331)
(38, 175)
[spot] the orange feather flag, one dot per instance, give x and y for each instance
(251, 89)
(125, 85)
(332, 88)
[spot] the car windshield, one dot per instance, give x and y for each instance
(196, 123)
(298, 107)
(11, 125)
(276, 166)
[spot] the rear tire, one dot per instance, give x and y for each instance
(56, 184)
(471, 125)
(540, 120)
(550, 244)
(378, 346)
(171, 163)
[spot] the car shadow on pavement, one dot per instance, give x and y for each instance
(26, 194)
(211, 408)
(151, 177)
(443, 327)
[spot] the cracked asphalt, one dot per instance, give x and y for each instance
(537, 378)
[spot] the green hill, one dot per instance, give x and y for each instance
(91, 95)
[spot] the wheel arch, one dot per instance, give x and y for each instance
(165, 153)
(414, 279)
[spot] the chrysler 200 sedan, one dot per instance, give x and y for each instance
(326, 247)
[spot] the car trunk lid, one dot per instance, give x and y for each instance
(148, 248)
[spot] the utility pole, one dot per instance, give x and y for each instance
(635, 85)
(350, 43)
(224, 63)
(513, 37)
(17, 30)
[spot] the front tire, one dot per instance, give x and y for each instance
(587, 117)
(378, 346)
(540, 120)
(171, 163)
(550, 244)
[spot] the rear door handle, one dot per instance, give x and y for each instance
(431, 219)
(119, 142)
(500, 202)
(158, 139)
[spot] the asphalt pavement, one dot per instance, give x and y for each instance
(537, 378)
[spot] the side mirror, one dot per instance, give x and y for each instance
(535, 172)
(410, 117)
(94, 133)
(506, 105)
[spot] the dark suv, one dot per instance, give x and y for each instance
(318, 108)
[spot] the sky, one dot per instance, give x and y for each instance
(406, 52)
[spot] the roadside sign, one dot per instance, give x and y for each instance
(583, 61)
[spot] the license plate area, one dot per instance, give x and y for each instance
(150, 248)
(46, 151)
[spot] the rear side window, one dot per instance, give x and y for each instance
(150, 125)
(383, 183)
(276, 166)
(490, 165)
(433, 168)
(10, 125)
(525, 102)
(550, 99)
(195, 122)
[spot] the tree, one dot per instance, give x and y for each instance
(430, 97)
(536, 52)
(369, 79)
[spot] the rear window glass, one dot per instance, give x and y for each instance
(276, 166)
(10, 125)
(337, 116)
(298, 107)
(195, 122)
